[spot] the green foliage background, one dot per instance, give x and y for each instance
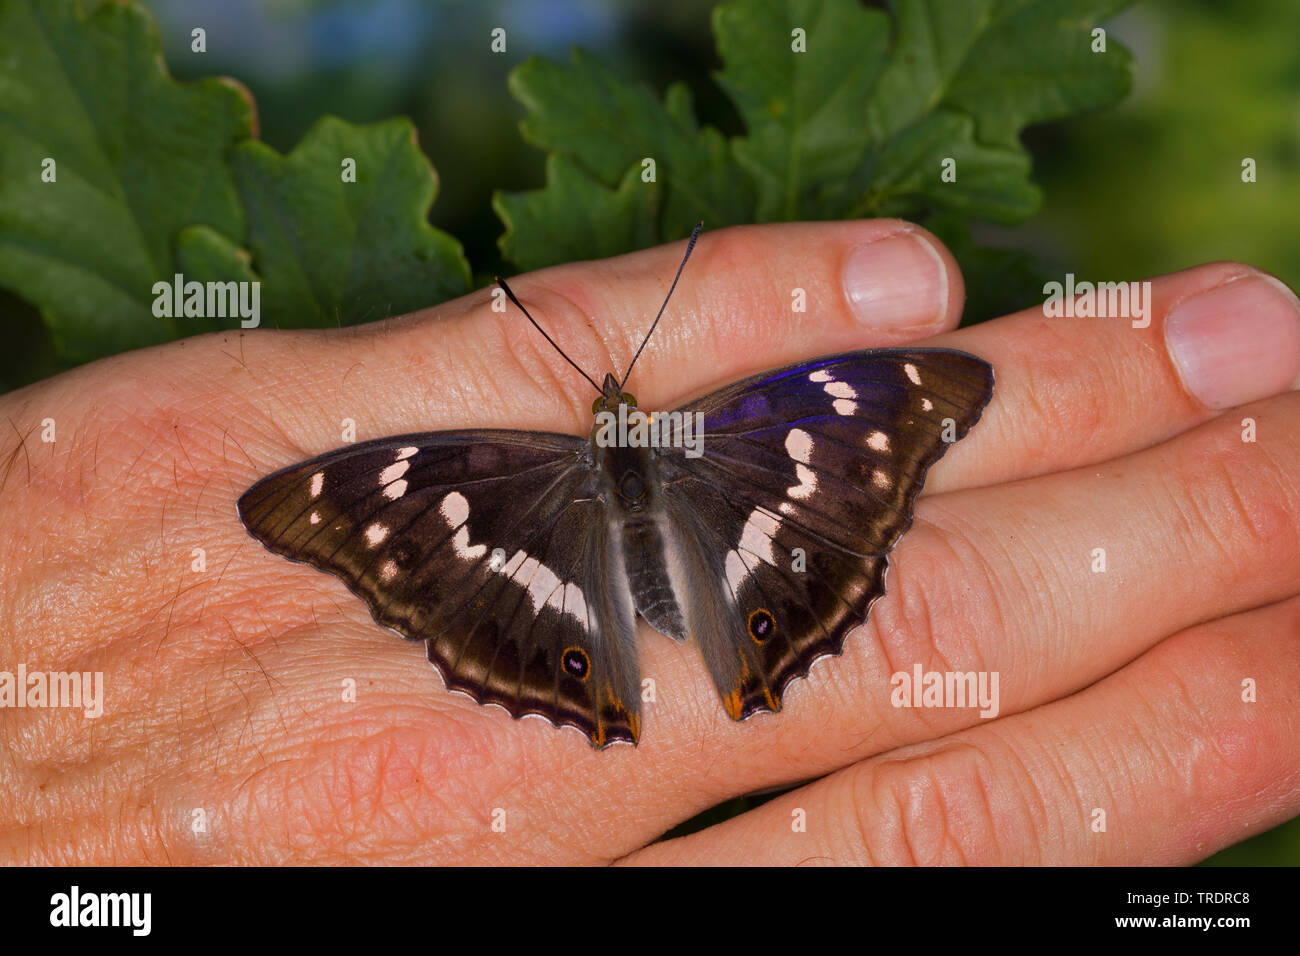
(541, 149)
(843, 111)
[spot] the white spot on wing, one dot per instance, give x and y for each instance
(314, 518)
(807, 483)
(912, 374)
(878, 441)
(544, 587)
(405, 453)
(570, 601)
(395, 490)
(821, 375)
(736, 571)
(881, 480)
(840, 390)
(542, 582)
(799, 445)
(455, 508)
(317, 483)
(844, 407)
(927, 405)
(393, 472)
(463, 548)
(756, 537)
(387, 571)
(376, 533)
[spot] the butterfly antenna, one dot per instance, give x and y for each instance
(695, 234)
(502, 282)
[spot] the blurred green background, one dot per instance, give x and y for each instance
(1149, 187)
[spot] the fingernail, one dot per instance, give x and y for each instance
(897, 283)
(1237, 343)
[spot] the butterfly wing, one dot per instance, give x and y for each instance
(487, 545)
(806, 480)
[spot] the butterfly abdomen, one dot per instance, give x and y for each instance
(632, 493)
(652, 591)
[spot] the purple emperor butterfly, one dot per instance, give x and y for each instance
(755, 521)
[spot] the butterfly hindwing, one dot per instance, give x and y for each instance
(765, 606)
(807, 478)
(490, 546)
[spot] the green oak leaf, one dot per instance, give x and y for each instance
(803, 108)
(135, 155)
(332, 252)
(1035, 63)
(964, 79)
(576, 217)
(990, 182)
(1004, 63)
(585, 110)
(605, 127)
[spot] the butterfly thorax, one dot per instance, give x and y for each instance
(627, 473)
(628, 479)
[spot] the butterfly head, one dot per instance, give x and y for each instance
(611, 396)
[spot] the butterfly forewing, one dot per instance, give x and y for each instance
(488, 546)
(807, 479)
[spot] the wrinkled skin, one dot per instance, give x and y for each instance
(225, 736)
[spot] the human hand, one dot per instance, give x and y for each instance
(225, 735)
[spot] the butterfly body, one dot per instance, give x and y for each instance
(522, 559)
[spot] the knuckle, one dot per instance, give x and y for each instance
(747, 299)
(1064, 387)
(939, 602)
(1238, 497)
(735, 250)
(923, 811)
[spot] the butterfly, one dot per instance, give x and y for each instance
(755, 521)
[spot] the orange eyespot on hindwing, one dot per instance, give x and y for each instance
(761, 625)
(575, 662)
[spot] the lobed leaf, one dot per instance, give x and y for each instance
(136, 157)
(335, 252)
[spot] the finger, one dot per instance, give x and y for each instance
(1078, 391)
(1191, 748)
(1005, 580)
(751, 298)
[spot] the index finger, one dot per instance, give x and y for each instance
(752, 298)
